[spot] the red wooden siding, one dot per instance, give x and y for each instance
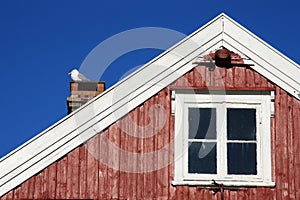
(236, 78)
(80, 174)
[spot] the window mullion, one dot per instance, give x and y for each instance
(258, 140)
(221, 124)
(225, 140)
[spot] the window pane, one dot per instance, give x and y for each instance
(202, 123)
(241, 124)
(202, 157)
(241, 158)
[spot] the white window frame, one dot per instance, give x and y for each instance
(260, 102)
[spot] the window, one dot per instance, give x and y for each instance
(225, 138)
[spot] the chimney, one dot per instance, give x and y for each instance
(82, 92)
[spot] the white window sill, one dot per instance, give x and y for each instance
(225, 183)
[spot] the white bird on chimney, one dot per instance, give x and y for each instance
(76, 76)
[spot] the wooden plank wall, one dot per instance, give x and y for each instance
(83, 173)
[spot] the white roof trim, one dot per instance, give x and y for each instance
(105, 109)
(268, 61)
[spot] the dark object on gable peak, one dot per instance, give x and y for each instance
(222, 58)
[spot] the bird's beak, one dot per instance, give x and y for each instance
(69, 73)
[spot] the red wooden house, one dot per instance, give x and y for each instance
(214, 117)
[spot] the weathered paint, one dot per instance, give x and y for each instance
(80, 174)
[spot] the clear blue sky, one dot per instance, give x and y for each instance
(41, 41)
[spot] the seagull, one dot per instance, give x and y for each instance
(76, 76)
